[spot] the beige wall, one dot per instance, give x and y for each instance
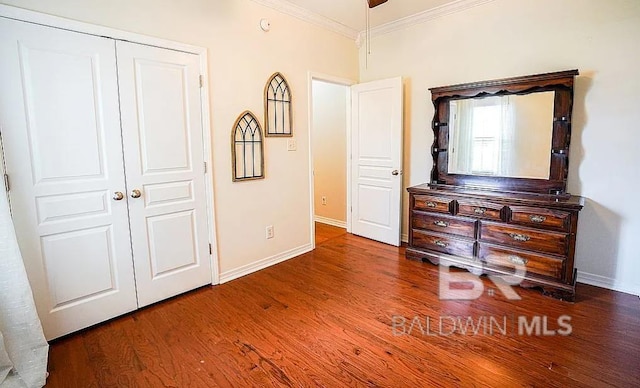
(510, 38)
(241, 58)
(533, 125)
(329, 138)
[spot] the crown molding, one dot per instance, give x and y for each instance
(348, 32)
(310, 17)
(422, 17)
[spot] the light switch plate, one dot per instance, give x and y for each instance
(292, 145)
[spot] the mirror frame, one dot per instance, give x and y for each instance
(560, 82)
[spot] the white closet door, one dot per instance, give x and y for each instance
(60, 125)
(164, 162)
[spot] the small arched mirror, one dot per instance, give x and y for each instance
(247, 148)
(277, 107)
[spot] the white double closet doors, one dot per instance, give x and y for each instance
(103, 145)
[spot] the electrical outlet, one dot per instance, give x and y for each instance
(324, 200)
(292, 145)
(269, 232)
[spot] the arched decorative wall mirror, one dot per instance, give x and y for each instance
(277, 107)
(247, 148)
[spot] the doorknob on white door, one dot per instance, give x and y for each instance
(135, 193)
(118, 196)
(395, 172)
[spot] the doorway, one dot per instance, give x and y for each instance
(355, 158)
(329, 100)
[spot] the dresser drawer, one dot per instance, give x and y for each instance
(464, 227)
(443, 243)
(525, 238)
(502, 258)
(540, 218)
(481, 209)
(431, 203)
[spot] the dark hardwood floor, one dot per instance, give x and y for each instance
(326, 318)
(326, 232)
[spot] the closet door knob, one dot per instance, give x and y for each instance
(118, 196)
(135, 193)
(395, 172)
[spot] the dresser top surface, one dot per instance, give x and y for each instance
(565, 201)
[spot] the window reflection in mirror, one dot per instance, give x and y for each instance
(506, 136)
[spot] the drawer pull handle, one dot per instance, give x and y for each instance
(431, 204)
(480, 210)
(441, 244)
(440, 223)
(537, 219)
(518, 260)
(519, 237)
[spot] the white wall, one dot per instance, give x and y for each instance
(329, 138)
(507, 38)
(533, 125)
(241, 59)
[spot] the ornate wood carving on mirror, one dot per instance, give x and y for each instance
(497, 201)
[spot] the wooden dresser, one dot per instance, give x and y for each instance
(494, 232)
(496, 202)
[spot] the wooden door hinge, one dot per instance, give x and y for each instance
(7, 186)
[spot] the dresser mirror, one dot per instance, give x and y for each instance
(508, 135)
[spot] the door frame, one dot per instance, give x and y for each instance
(24, 15)
(347, 83)
(3, 168)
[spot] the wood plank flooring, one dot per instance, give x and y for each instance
(326, 232)
(326, 319)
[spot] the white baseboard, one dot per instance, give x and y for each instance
(608, 283)
(330, 221)
(264, 263)
(583, 277)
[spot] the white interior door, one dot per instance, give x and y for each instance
(164, 160)
(376, 160)
(60, 125)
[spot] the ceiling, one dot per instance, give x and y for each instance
(352, 13)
